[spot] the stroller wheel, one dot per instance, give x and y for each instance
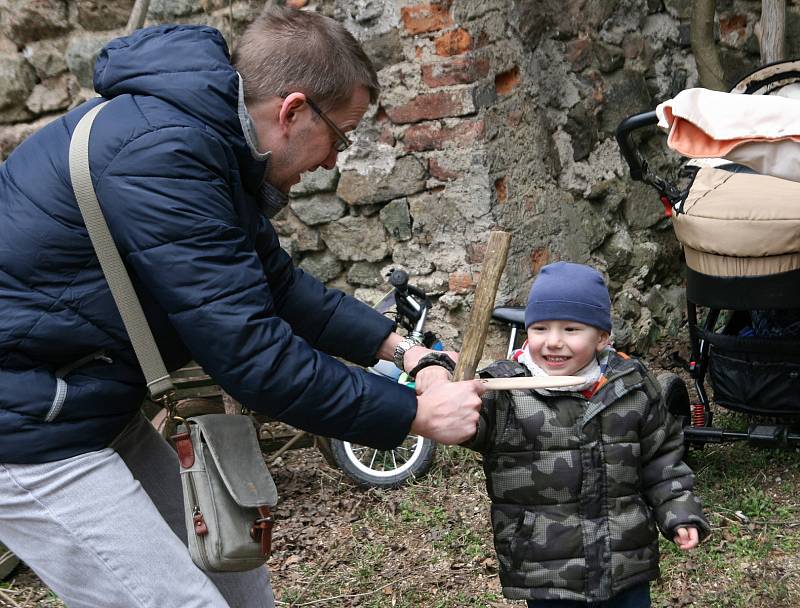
(676, 396)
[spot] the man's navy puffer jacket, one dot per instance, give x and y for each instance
(178, 186)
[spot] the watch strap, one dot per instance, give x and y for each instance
(401, 348)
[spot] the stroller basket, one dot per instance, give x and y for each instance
(757, 376)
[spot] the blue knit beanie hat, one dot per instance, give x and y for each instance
(569, 292)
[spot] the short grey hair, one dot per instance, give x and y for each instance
(286, 50)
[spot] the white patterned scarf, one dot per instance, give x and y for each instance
(592, 371)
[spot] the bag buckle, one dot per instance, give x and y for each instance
(261, 530)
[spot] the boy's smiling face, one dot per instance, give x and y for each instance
(562, 348)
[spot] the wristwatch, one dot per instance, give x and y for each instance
(401, 348)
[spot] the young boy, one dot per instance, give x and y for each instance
(580, 477)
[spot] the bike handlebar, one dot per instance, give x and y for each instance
(398, 278)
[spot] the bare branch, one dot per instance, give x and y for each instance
(138, 15)
(706, 53)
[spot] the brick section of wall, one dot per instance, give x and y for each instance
(433, 136)
(461, 70)
(441, 173)
(424, 18)
(505, 82)
(454, 42)
(431, 106)
(460, 282)
(501, 188)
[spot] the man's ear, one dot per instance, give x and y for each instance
(292, 104)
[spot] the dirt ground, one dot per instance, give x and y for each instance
(429, 544)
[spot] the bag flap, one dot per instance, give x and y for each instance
(232, 443)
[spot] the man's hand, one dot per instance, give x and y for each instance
(686, 537)
(448, 413)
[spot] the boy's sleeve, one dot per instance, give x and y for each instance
(483, 438)
(667, 481)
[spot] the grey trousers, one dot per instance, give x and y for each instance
(105, 529)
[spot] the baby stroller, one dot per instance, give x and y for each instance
(740, 232)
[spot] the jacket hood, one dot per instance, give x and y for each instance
(187, 66)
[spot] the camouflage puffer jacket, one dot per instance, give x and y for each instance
(578, 484)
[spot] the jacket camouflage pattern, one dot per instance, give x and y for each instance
(578, 485)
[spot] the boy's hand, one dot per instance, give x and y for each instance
(431, 376)
(686, 537)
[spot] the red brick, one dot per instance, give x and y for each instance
(462, 70)
(296, 3)
(476, 252)
(438, 172)
(387, 137)
(539, 257)
(433, 136)
(454, 42)
(505, 82)
(426, 18)
(460, 282)
(501, 188)
(514, 118)
(579, 53)
(433, 105)
(733, 30)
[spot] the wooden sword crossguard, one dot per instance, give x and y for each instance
(527, 383)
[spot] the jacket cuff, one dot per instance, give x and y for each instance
(386, 413)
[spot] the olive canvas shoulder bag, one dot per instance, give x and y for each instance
(228, 492)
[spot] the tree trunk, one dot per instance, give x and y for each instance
(771, 30)
(706, 53)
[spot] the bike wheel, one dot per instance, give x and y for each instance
(372, 468)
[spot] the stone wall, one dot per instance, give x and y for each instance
(493, 114)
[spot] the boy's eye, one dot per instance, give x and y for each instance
(570, 329)
(538, 328)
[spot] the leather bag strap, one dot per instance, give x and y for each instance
(156, 375)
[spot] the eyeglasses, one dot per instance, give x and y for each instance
(342, 141)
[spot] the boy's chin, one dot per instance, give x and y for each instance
(565, 369)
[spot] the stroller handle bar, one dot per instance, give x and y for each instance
(637, 164)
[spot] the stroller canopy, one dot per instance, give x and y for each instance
(737, 221)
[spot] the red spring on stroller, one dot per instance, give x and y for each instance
(698, 415)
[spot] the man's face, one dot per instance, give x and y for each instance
(562, 348)
(299, 139)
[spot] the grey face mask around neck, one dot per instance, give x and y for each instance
(271, 199)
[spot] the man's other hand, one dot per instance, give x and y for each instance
(448, 413)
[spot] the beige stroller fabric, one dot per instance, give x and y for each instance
(758, 131)
(740, 224)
